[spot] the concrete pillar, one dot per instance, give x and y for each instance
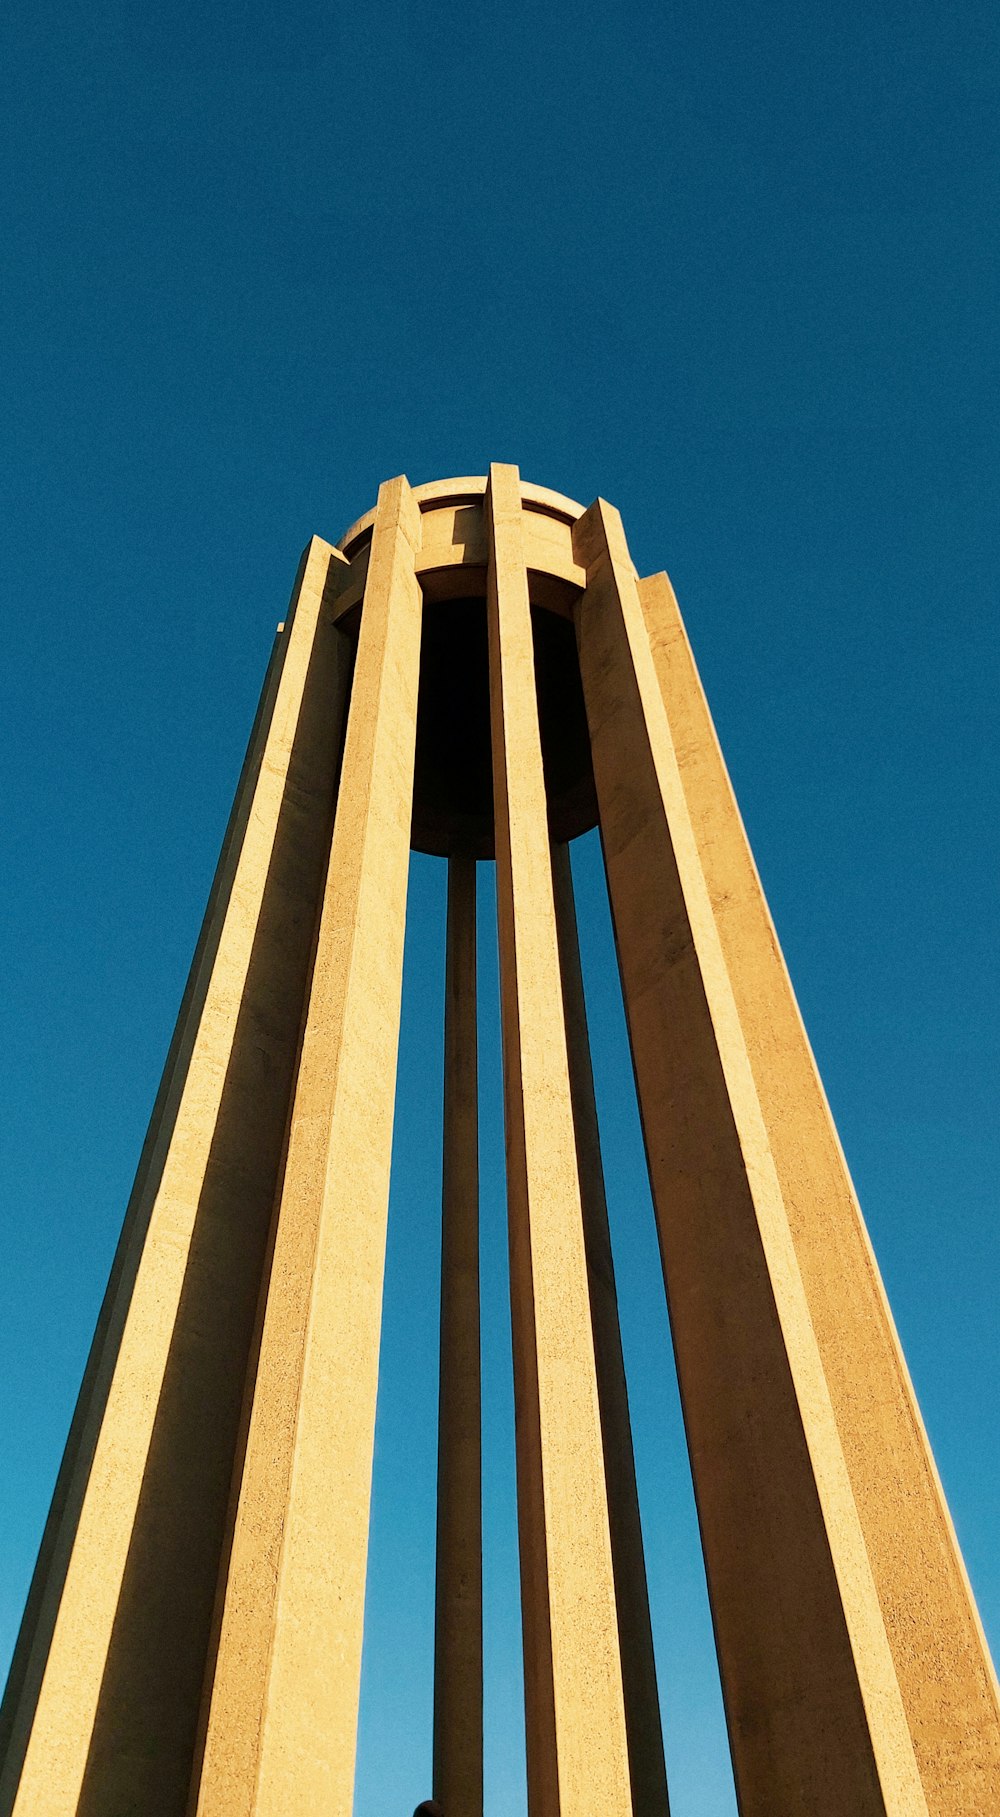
(945, 1674)
(642, 1705)
(576, 1735)
(192, 1640)
(282, 1718)
(97, 1719)
(458, 1631)
(816, 1718)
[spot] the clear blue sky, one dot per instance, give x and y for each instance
(735, 267)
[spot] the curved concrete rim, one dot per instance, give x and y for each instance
(466, 491)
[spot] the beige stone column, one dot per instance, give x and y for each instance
(283, 1710)
(642, 1704)
(97, 1719)
(816, 1717)
(458, 1632)
(945, 1673)
(576, 1736)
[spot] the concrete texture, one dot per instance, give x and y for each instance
(815, 1713)
(283, 1714)
(945, 1674)
(97, 1719)
(576, 1734)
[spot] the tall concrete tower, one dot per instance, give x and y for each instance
(476, 670)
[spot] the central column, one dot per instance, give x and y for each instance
(458, 1626)
(642, 1705)
(575, 1718)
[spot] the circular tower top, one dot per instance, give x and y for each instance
(453, 788)
(438, 494)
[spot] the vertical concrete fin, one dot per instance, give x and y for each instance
(282, 1720)
(99, 1720)
(577, 1741)
(458, 1631)
(942, 1662)
(815, 1713)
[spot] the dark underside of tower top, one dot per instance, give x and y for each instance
(453, 783)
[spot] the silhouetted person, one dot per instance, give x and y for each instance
(429, 1808)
